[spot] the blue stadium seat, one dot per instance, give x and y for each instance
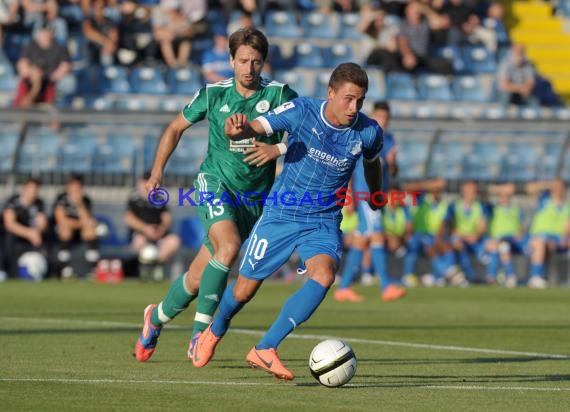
(434, 87)
(320, 90)
(484, 161)
(77, 47)
(308, 55)
(76, 154)
(479, 60)
(191, 233)
(14, 43)
(112, 237)
(452, 53)
(376, 85)
(8, 78)
(282, 24)
(519, 163)
(400, 86)
(469, 89)
(318, 25)
(412, 156)
(447, 160)
(9, 143)
(184, 81)
(38, 152)
(114, 79)
(148, 80)
(348, 27)
(276, 59)
(116, 156)
(295, 79)
(132, 102)
(337, 54)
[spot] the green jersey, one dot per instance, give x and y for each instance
(224, 157)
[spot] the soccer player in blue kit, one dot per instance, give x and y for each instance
(326, 139)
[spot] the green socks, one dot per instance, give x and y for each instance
(176, 300)
(212, 287)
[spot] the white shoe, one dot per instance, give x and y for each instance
(367, 279)
(511, 282)
(428, 280)
(536, 282)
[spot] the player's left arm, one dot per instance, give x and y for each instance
(371, 160)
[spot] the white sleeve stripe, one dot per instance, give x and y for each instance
(266, 125)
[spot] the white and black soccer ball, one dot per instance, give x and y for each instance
(32, 266)
(332, 363)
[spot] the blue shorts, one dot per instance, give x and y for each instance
(517, 245)
(273, 240)
(477, 248)
(556, 239)
(419, 242)
(369, 221)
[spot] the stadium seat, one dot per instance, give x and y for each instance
(519, 163)
(148, 80)
(133, 102)
(412, 156)
(308, 55)
(484, 161)
(348, 27)
(184, 81)
(469, 89)
(447, 160)
(115, 159)
(479, 60)
(337, 54)
(376, 85)
(452, 53)
(9, 143)
(282, 24)
(8, 78)
(114, 79)
(318, 26)
(76, 154)
(14, 43)
(400, 86)
(434, 87)
(112, 236)
(297, 80)
(38, 152)
(191, 233)
(320, 90)
(276, 59)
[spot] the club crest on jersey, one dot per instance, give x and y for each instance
(356, 149)
(262, 106)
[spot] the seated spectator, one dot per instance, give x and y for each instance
(495, 20)
(38, 13)
(136, 43)
(516, 78)
(382, 38)
(173, 31)
(8, 15)
(507, 234)
(216, 61)
(150, 225)
(549, 229)
(42, 65)
(102, 34)
(25, 224)
(74, 225)
(414, 41)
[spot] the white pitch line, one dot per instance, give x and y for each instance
(428, 346)
(219, 383)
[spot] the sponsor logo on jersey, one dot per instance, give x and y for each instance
(328, 159)
(262, 106)
(284, 107)
(225, 108)
(240, 145)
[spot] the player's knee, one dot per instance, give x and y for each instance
(227, 252)
(324, 278)
(243, 294)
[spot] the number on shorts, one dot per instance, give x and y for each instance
(215, 208)
(258, 247)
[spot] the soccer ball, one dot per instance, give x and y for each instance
(332, 363)
(32, 266)
(148, 254)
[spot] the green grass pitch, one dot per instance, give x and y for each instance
(69, 346)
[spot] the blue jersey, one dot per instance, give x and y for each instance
(320, 159)
(359, 181)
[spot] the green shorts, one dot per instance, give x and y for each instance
(216, 203)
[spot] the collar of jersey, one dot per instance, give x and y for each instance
(324, 119)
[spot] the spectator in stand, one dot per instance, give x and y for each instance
(25, 224)
(381, 37)
(42, 65)
(216, 61)
(9, 15)
(495, 20)
(136, 43)
(74, 225)
(464, 26)
(414, 40)
(516, 78)
(550, 227)
(150, 225)
(174, 32)
(39, 13)
(102, 34)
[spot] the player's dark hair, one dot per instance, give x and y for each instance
(32, 180)
(348, 73)
(75, 177)
(248, 36)
(382, 105)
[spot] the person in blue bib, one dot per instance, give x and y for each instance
(303, 210)
(506, 234)
(469, 227)
(550, 227)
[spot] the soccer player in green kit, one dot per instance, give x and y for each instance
(230, 169)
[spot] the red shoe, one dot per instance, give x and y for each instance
(205, 347)
(393, 292)
(347, 295)
(146, 344)
(268, 360)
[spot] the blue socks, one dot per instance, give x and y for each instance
(379, 261)
(465, 263)
(352, 265)
(229, 306)
(493, 265)
(296, 310)
(537, 269)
